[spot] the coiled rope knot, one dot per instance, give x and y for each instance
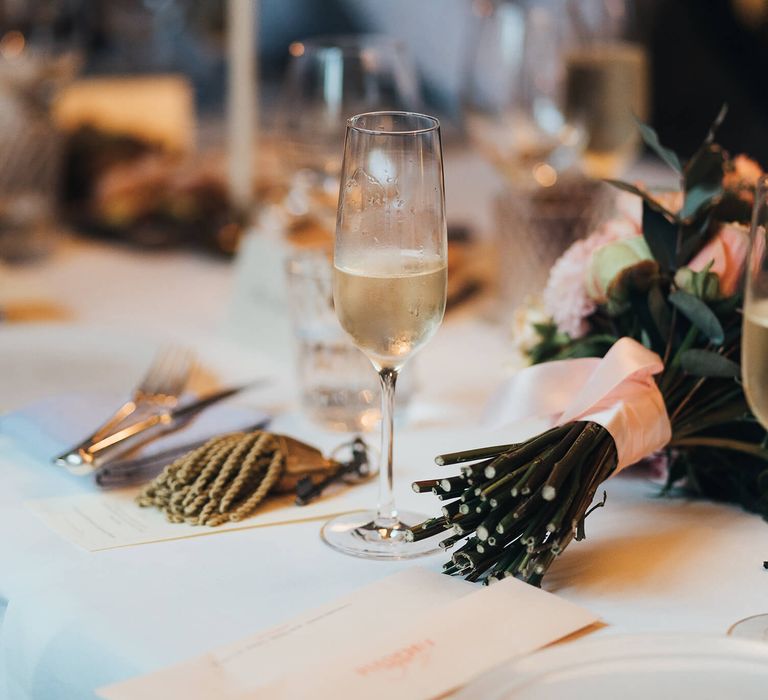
(222, 481)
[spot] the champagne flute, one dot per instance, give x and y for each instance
(754, 351)
(755, 334)
(389, 287)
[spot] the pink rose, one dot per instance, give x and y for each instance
(727, 252)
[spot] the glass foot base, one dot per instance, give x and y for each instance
(356, 534)
(755, 627)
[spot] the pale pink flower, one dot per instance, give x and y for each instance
(727, 252)
(565, 296)
(621, 228)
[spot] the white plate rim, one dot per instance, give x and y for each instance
(522, 672)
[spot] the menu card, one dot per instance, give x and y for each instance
(414, 635)
(112, 519)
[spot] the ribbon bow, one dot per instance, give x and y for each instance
(617, 392)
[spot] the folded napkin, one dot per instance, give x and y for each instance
(46, 428)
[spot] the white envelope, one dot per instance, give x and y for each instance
(417, 634)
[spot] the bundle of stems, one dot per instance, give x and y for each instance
(518, 506)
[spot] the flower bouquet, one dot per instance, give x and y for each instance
(654, 292)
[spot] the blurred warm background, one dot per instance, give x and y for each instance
(164, 124)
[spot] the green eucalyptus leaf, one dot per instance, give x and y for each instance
(661, 235)
(699, 198)
(705, 363)
(699, 314)
(651, 139)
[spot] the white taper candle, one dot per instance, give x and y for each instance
(242, 99)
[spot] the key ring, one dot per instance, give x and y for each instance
(355, 469)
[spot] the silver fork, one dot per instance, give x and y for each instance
(157, 392)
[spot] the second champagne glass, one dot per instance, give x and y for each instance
(389, 289)
(754, 351)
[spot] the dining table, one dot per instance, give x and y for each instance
(72, 621)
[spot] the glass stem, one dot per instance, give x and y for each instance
(386, 515)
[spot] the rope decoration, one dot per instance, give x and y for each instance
(222, 481)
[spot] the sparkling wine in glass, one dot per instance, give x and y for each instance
(754, 351)
(754, 341)
(389, 287)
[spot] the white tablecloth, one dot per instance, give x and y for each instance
(75, 620)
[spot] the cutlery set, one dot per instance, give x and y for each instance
(156, 409)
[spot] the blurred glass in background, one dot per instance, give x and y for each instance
(548, 86)
(513, 104)
(552, 86)
(606, 83)
(328, 80)
(527, 108)
(332, 78)
(334, 378)
(39, 54)
(338, 389)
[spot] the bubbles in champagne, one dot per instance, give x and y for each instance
(754, 358)
(390, 302)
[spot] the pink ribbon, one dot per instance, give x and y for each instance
(617, 392)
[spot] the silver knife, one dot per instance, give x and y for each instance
(83, 460)
(123, 472)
